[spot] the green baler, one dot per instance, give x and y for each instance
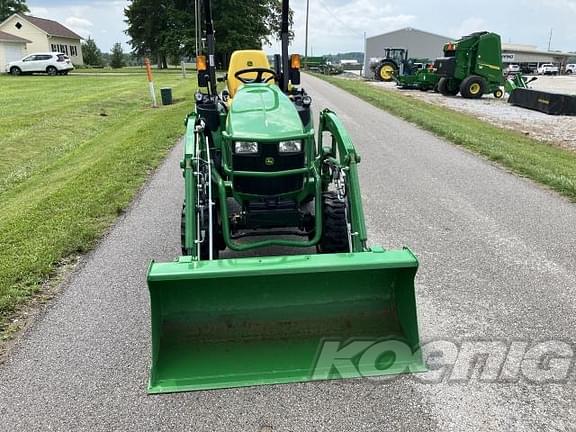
(259, 175)
(471, 66)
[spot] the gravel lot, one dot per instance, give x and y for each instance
(560, 130)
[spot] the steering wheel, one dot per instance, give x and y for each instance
(259, 75)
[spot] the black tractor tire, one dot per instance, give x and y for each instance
(445, 87)
(218, 241)
(498, 94)
(335, 234)
(15, 71)
(386, 71)
(473, 87)
(52, 71)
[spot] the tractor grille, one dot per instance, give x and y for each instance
(261, 162)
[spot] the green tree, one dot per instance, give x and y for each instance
(117, 56)
(91, 53)
(10, 7)
(165, 28)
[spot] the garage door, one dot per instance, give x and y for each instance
(13, 53)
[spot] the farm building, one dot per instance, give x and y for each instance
(420, 44)
(425, 45)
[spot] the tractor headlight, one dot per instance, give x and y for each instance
(245, 147)
(290, 147)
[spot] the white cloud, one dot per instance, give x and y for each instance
(469, 25)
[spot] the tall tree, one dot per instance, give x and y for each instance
(10, 7)
(117, 57)
(91, 53)
(161, 28)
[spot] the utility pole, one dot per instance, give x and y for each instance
(550, 39)
(307, 18)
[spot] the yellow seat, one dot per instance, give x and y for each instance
(244, 59)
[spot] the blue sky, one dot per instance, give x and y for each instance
(339, 25)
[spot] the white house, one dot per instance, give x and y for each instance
(44, 35)
(12, 48)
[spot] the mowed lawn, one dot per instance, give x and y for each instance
(73, 152)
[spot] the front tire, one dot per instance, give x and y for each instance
(446, 87)
(335, 225)
(473, 87)
(498, 93)
(52, 71)
(15, 71)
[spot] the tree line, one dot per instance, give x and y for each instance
(165, 29)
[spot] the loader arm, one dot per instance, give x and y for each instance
(348, 159)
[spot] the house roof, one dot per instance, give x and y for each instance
(7, 37)
(53, 28)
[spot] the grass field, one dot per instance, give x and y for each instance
(546, 164)
(74, 150)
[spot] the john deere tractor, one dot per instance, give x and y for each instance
(275, 260)
(394, 63)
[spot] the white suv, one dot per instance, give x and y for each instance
(571, 68)
(53, 63)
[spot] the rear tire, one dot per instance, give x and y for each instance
(15, 71)
(473, 87)
(52, 71)
(385, 72)
(446, 87)
(335, 235)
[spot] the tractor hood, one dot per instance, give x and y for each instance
(263, 112)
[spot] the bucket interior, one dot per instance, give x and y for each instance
(238, 326)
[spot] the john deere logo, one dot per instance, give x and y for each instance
(250, 63)
(269, 161)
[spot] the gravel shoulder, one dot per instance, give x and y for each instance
(558, 130)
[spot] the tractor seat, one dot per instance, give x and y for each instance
(244, 59)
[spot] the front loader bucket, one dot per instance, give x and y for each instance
(250, 321)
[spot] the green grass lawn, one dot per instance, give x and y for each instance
(74, 150)
(542, 162)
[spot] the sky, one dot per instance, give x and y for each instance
(339, 25)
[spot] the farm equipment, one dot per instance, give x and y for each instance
(408, 73)
(423, 79)
(394, 63)
(321, 65)
(471, 66)
(258, 179)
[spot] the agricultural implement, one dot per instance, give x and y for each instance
(258, 178)
(471, 66)
(423, 79)
(408, 73)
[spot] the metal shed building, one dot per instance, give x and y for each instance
(420, 44)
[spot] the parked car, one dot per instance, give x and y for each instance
(571, 68)
(512, 69)
(53, 63)
(548, 69)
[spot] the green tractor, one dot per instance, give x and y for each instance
(275, 260)
(394, 63)
(472, 66)
(408, 73)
